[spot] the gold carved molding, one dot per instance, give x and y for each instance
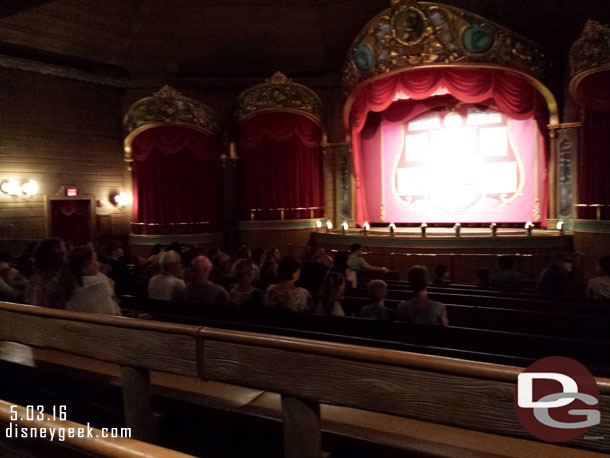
(589, 54)
(167, 107)
(279, 93)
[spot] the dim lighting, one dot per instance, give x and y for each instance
(318, 225)
(367, 227)
(560, 227)
(11, 187)
(423, 229)
(494, 229)
(392, 228)
(344, 227)
(329, 225)
(30, 188)
(528, 227)
(457, 227)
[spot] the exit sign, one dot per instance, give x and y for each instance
(72, 192)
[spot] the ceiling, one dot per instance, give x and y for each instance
(242, 38)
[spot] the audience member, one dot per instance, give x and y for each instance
(483, 279)
(506, 279)
(598, 288)
(118, 270)
(553, 279)
(441, 275)
(220, 269)
(243, 294)
(313, 272)
(11, 276)
(285, 295)
(331, 293)
(269, 274)
(340, 265)
(258, 257)
(378, 291)
(201, 290)
(420, 309)
(357, 263)
(83, 287)
(168, 285)
(244, 253)
(42, 288)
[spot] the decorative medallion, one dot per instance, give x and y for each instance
(279, 93)
(410, 34)
(590, 53)
(167, 106)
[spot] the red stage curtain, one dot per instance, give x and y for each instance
(510, 93)
(594, 160)
(280, 167)
(177, 181)
(70, 220)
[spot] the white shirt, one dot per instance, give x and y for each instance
(599, 288)
(166, 287)
(95, 296)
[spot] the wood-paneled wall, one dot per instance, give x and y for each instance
(61, 133)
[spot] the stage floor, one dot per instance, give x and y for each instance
(448, 232)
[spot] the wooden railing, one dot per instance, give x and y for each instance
(305, 373)
(96, 445)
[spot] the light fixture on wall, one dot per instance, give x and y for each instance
(121, 199)
(11, 187)
(30, 188)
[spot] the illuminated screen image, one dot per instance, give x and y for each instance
(466, 165)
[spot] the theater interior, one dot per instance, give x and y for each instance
(303, 228)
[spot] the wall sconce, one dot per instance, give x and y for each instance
(366, 227)
(344, 227)
(318, 225)
(494, 229)
(329, 226)
(11, 188)
(560, 227)
(392, 228)
(30, 188)
(528, 227)
(457, 227)
(423, 229)
(121, 199)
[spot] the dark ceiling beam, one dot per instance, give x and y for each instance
(10, 7)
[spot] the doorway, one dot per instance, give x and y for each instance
(71, 220)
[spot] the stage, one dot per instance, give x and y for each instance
(474, 249)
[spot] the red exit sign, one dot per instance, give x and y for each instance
(72, 192)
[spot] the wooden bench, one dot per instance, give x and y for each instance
(304, 372)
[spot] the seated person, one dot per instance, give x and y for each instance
(553, 280)
(42, 289)
(285, 295)
(243, 294)
(118, 270)
(340, 265)
(378, 291)
(357, 263)
(333, 288)
(598, 288)
(506, 279)
(11, 276)
(84, 288)
(313, 272)
(441, 275)
(168, 285)
(420, 309)
(202, 290)
(483, 279)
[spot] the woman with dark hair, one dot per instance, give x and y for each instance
(285, 295)
(340, 265)
(333, 288)
(83, 287)
(420, 309)
(41, 290)
(243, 294)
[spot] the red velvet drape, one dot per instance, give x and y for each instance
(70, 220)
(594, 160)
(177, 181)
(280, 167)
(510, 93)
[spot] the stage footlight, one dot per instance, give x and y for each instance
(329, 226)
(560, 227)
(423, 229)
(344, 227)
(392, 228)
(366, 227)
(494, 229)
(318, 225)
(458, 229)
(528, 227)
